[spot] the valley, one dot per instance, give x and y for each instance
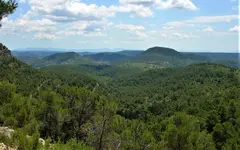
(146, 96)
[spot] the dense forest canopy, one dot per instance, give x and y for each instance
(155, 57)
(192, 107)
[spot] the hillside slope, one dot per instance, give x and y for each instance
(33, 53)
(165, 91)
(191, 107)
(131, 53)
(107, 57)
(28, 80)
(62, 57)
(167, 57)
(57, 59)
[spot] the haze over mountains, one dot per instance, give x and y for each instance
(156, 56)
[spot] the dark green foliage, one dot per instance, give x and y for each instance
(107, 57)
(80, 105)
(101, 72)
(130, 53)
(7, 8)
(155, 57)
(33, 54)
(49, 125)
(71, 145)
(30, 81)
(167, 57)
(228, 59)
(6, 92)
(62, 57)
(162, 51)
(186, 108)
(56, 59)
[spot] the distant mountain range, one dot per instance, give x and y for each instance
(43, 52)
(69, 50)
(55, 59)
(60, 57)
(152, 57)
(167, 57)
(113, 56)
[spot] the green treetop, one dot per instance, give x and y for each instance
(7, 7)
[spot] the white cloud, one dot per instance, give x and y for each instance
(85, 28)
(25, 25)
(183, 36)
(72, 10)
(130, 40)
(179, 4)
(45, 36)
(22, 1)
(213, 19)
(51, 19)
(134, 30)
(69, 10)
(74, 17)
(75, 10)
(87, 42)
(160, 4)
(152, 25)
(152, 32)
(143, 8)
(208, 29)
(177, 35)
(176, 24)
(69, 18)
(130, 27)
(141, 35)
(134, 10)
(200, 19)
(94, 34)
(41, 29)
(235, 29)
(138, 2)
(172, 25)
(168, 27)
(235, 8)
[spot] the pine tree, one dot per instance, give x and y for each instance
(7, 8)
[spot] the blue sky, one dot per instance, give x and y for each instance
(186, 25)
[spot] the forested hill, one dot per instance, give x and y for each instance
(62, 57)
(167, 57)
(182, 108)
(168, 53)
(162, 51)
(107, 57)
(155, 57)
(57, 59)
(4, 51)
(30, 80)
(165, 91)
(131, 53)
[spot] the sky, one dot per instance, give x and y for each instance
(185, 25)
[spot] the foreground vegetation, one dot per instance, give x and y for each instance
(185, 108)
